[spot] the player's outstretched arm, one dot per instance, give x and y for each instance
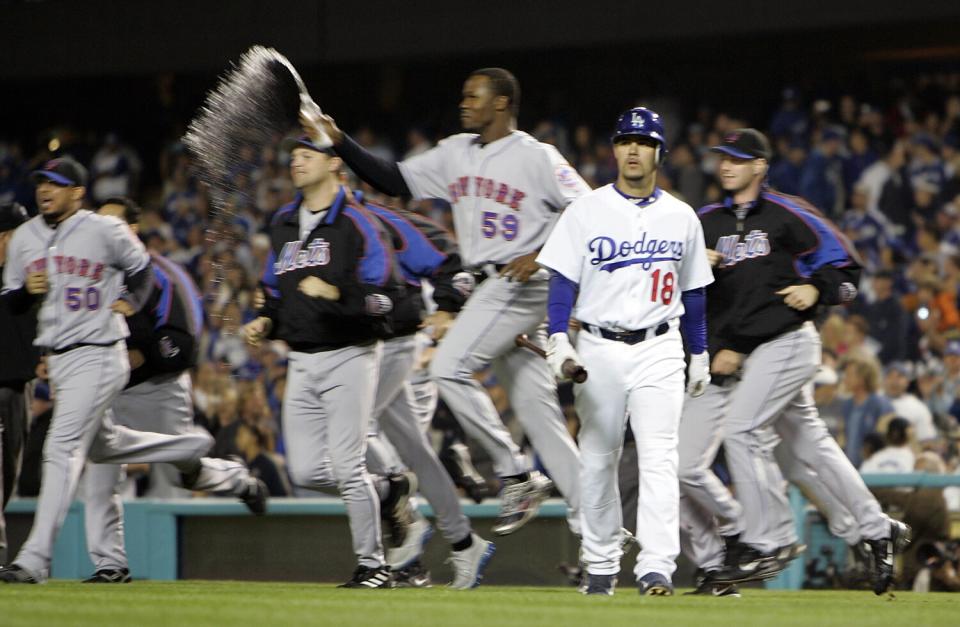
(383, 174)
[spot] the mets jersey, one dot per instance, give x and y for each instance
(86, 258)
(506, 195)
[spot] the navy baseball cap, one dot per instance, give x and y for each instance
(63, 171)
(304, 141)
(12, 215)
(953, 348)
(745, 143)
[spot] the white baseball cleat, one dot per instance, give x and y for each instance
(469, 564)
(418, 534)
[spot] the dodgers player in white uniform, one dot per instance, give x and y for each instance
(77, 262)
(628, 260)
(506, 190)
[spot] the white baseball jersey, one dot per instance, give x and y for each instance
(86, 258)
(631, 262)
(505, 195)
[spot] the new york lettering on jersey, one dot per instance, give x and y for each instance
(506, 195)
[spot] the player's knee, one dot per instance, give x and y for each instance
(308, 474)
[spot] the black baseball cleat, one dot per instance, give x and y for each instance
(744, 563)
(110, 575)
(395, 508)
(366, 577)
(15, 574)
(706, 586)
(654, 585)
(520, 501)
(255, 496)
(415, 575)
(600, 584)
(883, 552)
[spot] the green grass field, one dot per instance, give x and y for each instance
(266, 604)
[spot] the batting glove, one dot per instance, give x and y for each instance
(698, 374)
(559, 350)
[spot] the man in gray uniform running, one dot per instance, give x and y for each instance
(162, 347)
(78, 262)
(776, 259)
(506, 190)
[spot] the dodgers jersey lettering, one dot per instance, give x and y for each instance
(86, 258)
(631, 262)
(505, 195)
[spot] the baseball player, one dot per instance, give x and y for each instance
(424, 250)
(629, 263)
(162, 347)
(506, 190)
(16, 339)
(77, 263)
(329, 293)
(776, 259)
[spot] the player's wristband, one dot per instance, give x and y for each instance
(562, 296)
(694, 319)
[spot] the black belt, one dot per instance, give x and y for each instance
(480, 275)
(628, 337)
(65, 349)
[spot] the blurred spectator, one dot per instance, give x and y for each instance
(860, 158)
(906, 405)
(789, 120)
(887, 319)
(897, 456)
(867, 232)
(785, 173)
(821, 182)
(864, 408)
(826, 385)
(114, 170)
(945, 399)
(926, 167)
(690, 181)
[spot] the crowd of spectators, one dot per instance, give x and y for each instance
(885, 170)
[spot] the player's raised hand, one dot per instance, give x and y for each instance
(255, 330)
(37, 283)
(521, 268)
(698, 374)
(800, 297)
(726, 361)
(310, 119)
(316, 287)
(437, 323)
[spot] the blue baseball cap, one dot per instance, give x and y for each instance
(952, 348)
(304, 141)
(63, 171)
(745, 143)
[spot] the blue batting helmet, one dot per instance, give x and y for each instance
(643, 122)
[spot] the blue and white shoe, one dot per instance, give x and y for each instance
(654, 585)
(418, 534)
(469, 564)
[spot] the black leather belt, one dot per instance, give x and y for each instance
(66, 349)
(480, 275)
(628, 337)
